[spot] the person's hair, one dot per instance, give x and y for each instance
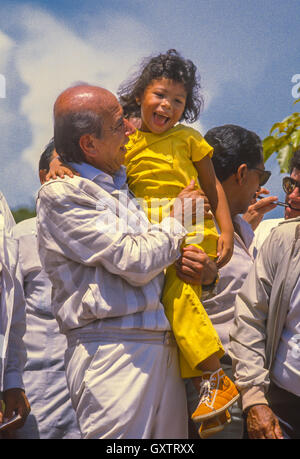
(69, 127)
(171, 66)
(233, 146)
(46, 156)
(295, 161)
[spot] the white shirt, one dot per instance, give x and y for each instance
(103, 277)
(220, 308)
(285, 372)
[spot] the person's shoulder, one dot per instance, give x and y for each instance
(69, 192)
(188, 131)
(286, 230)
(59, 187)
(288, 226)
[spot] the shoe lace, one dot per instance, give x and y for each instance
(206, 388)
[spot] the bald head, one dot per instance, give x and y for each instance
(80, 110)
(81, 98)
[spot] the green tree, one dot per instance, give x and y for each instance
(284, 140)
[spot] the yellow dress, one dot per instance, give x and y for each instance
(158, 167)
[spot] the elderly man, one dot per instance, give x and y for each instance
(12, 324)
(106, 265)
(266, 334)
(238, 163)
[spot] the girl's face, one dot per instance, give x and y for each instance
(162, 105)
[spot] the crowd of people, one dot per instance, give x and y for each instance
(143, 301)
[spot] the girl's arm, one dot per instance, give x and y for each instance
(218, 201)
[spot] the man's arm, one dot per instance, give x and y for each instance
(248, 333)
(88, 234)
(248, 343)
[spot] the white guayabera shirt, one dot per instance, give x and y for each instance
(106, 272)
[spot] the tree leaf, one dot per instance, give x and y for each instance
(283, 157)
(295, 138)
(269, 146)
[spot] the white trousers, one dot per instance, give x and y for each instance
(126, 384)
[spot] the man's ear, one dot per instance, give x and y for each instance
(87, 145)
(241, 174)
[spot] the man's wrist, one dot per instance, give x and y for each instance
(246, 410)
(212, 284)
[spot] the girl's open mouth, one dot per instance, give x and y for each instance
(160, 120)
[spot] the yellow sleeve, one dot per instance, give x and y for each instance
(198, 146)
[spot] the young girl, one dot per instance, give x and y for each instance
(162, 159)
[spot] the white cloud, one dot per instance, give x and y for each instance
(52, 56)
(46, 54)
(6, 45)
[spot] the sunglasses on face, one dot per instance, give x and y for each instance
(263, 175)
(289, 185)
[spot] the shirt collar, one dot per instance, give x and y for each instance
(101, 178)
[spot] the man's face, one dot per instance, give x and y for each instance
(251, 186)
(110, 148)
(293, 198)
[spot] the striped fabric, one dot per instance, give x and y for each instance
(104, 259)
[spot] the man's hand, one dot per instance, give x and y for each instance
(258, 209)
(185, 205)
(195, 267)
(262, 423)
(16, 402)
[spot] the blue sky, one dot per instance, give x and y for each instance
(246, 52)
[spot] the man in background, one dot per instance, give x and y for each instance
(52, 415)
(266, 334)
(12, 325)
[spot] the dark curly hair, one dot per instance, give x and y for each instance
(171, 66)
(233, 145)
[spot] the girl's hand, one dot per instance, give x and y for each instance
(57, 169)
(225, 249)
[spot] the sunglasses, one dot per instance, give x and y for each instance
(263, 176)
(289, 184)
